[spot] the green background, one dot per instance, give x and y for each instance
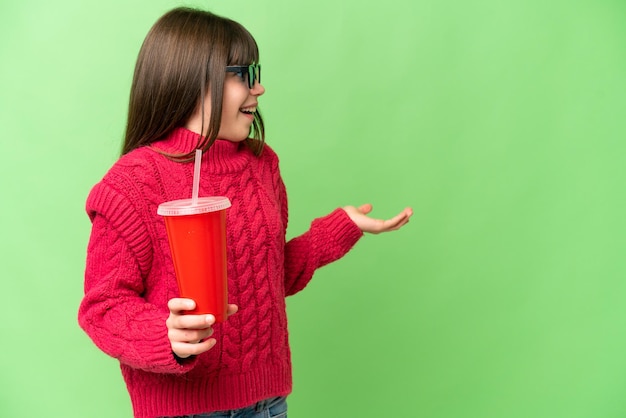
(500, 122)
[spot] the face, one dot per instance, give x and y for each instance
(238, 105)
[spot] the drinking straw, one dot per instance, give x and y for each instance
(196, 178)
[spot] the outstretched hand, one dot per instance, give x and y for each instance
(376, 226)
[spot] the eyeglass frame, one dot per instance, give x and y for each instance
(254, 69)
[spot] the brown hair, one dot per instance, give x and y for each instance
(183, 56)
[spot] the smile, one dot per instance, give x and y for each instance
(249, 110)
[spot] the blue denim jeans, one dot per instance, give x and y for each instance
(269, 408)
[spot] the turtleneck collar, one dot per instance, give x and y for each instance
(224, 156)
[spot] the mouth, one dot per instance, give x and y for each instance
(248, 110)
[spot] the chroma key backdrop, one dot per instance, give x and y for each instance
(500, 122)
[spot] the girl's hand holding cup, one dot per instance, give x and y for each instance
(189, 334)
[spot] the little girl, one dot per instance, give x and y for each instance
(196, 85)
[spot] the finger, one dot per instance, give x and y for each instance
(398, 225)
(366, 208)
(194, 321)
(184, 350)
(189, 321)
(179, 305)
(405, 213)
(400, 219)
(394, 223)
(189, 335)
(232, 309)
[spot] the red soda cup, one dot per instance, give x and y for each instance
(196, 232)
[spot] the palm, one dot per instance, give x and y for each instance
(375, 226)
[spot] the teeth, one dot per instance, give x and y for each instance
(249, 110)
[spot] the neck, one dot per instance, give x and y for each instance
(223, 155)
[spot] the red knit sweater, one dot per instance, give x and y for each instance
(129, 276)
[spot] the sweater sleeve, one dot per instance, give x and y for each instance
(113, 312)
(328, 239)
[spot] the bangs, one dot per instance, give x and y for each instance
(244, 49)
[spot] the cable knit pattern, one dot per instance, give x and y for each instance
(129, 276)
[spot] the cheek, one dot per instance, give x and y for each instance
(235, 92)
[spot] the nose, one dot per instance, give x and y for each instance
(257, 89)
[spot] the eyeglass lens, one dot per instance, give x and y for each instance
(254, 73)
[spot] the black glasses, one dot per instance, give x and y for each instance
(251, 72)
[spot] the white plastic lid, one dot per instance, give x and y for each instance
(185, 207)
